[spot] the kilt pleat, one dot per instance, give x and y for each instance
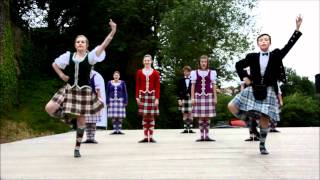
(246, 102)
(116, 108)
(78, 101)
(148, 108)
(186, 106)
(204, 106)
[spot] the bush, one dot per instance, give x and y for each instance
(223, 113)
(300, 110)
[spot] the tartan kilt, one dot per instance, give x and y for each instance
(204, 106)
(148, 108)
(116, 108)
(78, 101)
(93, 119)
(186, 106)
(246, 102)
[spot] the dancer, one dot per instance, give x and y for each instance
(259, 99)
(204, 96)
(184, 100)
(117, 100)
(76, 97)
(147, 97)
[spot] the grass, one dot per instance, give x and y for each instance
(29, 118)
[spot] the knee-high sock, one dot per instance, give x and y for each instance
(114, 124)
(148, 127)
(119, 122)
(151, 129)
(90, 130)
(80, 131)
(145, 124)
(187, 118)
(253, 127)
(206, 126)
(201, 127)
(263, 136)
(273, 125)
(185, 121)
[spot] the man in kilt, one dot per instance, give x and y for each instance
(259, 100)
(76, 97)
(204, 96)
(184, 100)
(147, 97)
(117, 100)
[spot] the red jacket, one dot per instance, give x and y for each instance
(154, 82)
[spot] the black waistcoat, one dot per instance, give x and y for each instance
(84, 69)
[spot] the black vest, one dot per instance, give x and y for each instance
(83, 71)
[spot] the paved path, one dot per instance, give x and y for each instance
(294, 154)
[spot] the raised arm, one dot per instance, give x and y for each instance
(298, 22)
(293, 39)
(108, 39)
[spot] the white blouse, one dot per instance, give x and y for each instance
(203, 73)
(63, 60)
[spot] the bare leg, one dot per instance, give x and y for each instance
(52, 107)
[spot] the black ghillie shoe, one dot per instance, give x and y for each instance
(263, 150)
(190, 131)
(145, 140)
(185, 131)
(209, 139)
(89, 141)
(114, 133)
(77, 154)
(152, 140)
(200, 140)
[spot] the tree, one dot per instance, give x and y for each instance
(219, 29)
(297, 84)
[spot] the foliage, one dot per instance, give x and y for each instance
(8, 72)
(219, 29)
(297, 84)
(300, 110)
(223, 113)
(33, 96)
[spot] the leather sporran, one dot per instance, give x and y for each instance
(259, 91)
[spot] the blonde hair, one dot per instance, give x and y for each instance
(87, 41)
(186, 68)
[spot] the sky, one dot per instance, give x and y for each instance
(277, 18)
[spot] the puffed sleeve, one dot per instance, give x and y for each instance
(63, 60)
(213, 76)
(193, 77)
(93, 58)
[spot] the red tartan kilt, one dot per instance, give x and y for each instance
(148, 108)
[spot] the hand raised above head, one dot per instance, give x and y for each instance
(112, 24)
(298, 22)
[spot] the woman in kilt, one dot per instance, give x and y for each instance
(147, 97)
(259, 101)
(76, 97)
(204, 96)
(98, 87)
(117, 100)
(184, 99)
